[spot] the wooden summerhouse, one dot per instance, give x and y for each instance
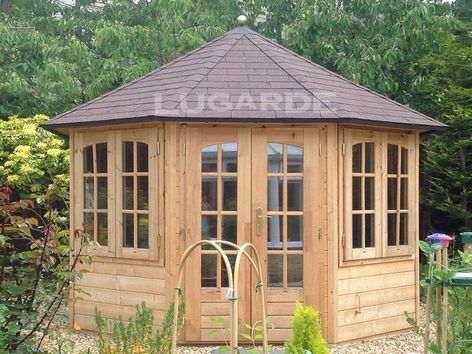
(246, 141)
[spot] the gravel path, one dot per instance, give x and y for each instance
(80, 342)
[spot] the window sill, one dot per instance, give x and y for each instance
(379, 260)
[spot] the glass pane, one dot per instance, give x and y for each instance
(128, 230)
(392, 159)
(294, 159)
(369, 158)
(229, 229)
(88, 192)
(142, 157)
(404, 168)
(274, 157)
(229, 154)
(230, 193)
(275, 193)
(392, 229)
(392, 194)
(128, 163)
(102, 229)
(128, 192)
(209, 193)
(403, 229)
(102, 160)
(404, 193)
(143, 193)
(356, 231)
(88, 159)
(369, 230)
(208, 271)
(102, 195)
(369, 193)
(275, 229)
(356, 157)
(275, 270)
(294, 193)
(295, 231)
(209, 158)
(294, 270)
(88, 225)
(224, 274)
(143, 231)
(356, 193)
(209, 223)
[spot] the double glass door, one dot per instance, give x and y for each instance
(258, 186)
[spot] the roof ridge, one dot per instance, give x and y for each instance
(302, 85)
(345, 79)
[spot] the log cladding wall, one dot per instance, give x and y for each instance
(116, 288)
(373, 299)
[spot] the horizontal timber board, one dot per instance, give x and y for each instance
(215, 309)
(126, 283)
(376, 297)
(376, 312)
(111, 311)
(280, 308)
(349, 272)
(375, 282)
(131, 270)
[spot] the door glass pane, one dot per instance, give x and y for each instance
(294, 270)
(392, 159)
(404, 193)
(142, 157)
(392, 229)
(88, 225)
(208, 270)
(88, 192)
(392, 194)
(356, 158)
(357, 231)
(275, 231)
(229, 228)
(209, 193)
(369, 230)
(128, 230)
(403, 229)
(294, 159)
(356, 193)
(88, 159)
(209, 224)
(224, 274)
(275, 270)
(102, 229)
(294, 231)
(102, 160)
(229, 153)
(369, 193)
(128, 164)
(143, 193)
(274, 158)
(275, 193)
(210, 158)
(128, 192)
(294, 193)
(369, 158)
(102, 196)
(143, 231)
(404, 168)
(230, 193)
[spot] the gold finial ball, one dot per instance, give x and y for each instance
(242, 20)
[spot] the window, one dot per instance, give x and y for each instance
(119, 183)
(378, 194)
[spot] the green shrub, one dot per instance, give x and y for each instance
(306, 337)
(136, 336)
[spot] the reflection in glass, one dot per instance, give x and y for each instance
(274, 193)
(295, 230)
(404, 168)
(102, 196)
(392, 159)
(230, 193)
(128, 230)
(143, 231)
(294, 194)
(392, 229)
(294, 270)
(369, 193)
(229, 154)
(392, 194)
(210, 158)
(275, 270)
(208, 271)
(102, 161)
(294, 159)
(128, 163)
(356, 193)
(357, 158)
(142, 157)
(88, 225)
(88, 159)
(356, 231)
(143, 193)
(275, 227)
(88, 192)
(274, 158)
(209, 223)
(102, 229)
(224, 274)
(369, 230)
(229, 227)
(403, 229)
(209, 193)
(128, 192)
(404, 193)
(369, 158)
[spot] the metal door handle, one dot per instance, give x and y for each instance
(259, 218)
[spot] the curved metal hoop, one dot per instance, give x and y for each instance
(233, 284)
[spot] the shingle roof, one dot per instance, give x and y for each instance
(245, 77)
